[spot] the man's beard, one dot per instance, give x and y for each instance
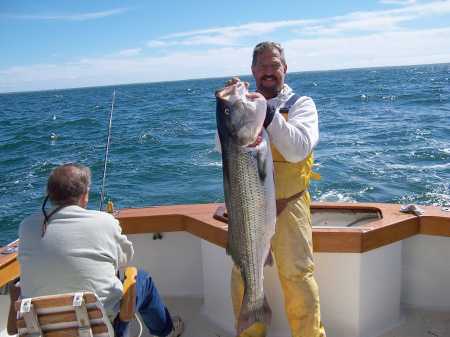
(269, 92)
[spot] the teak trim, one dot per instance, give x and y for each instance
(198, 220)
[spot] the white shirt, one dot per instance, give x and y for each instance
(296, 137)
(81, 250)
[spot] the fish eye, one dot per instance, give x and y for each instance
(226, 111)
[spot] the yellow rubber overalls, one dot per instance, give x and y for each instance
(293, 252)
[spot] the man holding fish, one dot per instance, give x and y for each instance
(291, 124)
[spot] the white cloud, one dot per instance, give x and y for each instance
(373, 24)
(419, 10)
(67, 17)
(224, 35)
(156, 44)
(254, 28)
(110, 70)
(354, 22)
(130, 52)
(398, 2)
(192, 41)
(375, 21)
(380, 49)
(358, 39)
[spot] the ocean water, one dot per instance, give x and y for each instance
(384, 137)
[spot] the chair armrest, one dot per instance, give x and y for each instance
(14, 294)
(128, 302)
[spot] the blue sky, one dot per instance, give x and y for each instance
(62, 44)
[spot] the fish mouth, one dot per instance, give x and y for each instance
(228, 97)
(241, 113)
(225, 93)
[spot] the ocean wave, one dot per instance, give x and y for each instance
(214, 163)
(207, 163)
(147, 136)
(389, 97)
(432, 199)
(444, 198)
(414, 167)
(84, 121)
(207, 159)
(336, 196)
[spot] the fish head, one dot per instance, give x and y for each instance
(240, 114)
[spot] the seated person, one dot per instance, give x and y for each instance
(69, 249)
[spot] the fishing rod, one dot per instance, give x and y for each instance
(108, 142)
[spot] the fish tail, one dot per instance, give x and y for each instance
(248, 316)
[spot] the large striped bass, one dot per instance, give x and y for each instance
(249, 193)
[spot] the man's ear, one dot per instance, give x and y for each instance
(84, 199)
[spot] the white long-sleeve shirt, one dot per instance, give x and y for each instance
(81, 250)
(296, 137)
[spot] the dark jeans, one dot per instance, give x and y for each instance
(150, 305)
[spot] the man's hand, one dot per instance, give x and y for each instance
(254, 95)
(258, 141)
(233, 80)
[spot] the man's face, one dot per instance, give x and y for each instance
(269, 72)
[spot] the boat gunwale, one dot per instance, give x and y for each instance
(197, 220)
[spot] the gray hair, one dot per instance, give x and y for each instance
(267, 45)
(67, 183)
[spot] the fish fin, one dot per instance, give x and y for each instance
(262, 314)
(269, 259)
(261, 158)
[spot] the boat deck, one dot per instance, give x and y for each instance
(422, 323)
(414, 323)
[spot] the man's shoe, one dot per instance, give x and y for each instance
(178, 327)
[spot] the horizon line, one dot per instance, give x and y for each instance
(214, 77)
